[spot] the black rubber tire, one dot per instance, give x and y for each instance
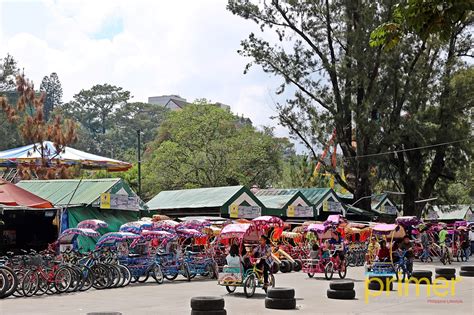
(297, 265)
(280, 304)
(445, 271)
(275, 267)
(467, 268)
(281, 293)
(341, 285)
(375, 285)
(421, 274)
(467, 273)
(421, 279)
(207, 303)
(218, 312)
(341, 294)
(285, 266)
(446, 277)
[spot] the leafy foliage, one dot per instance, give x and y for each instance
(203, 146)
(51, 86)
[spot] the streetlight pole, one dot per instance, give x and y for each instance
(139, 163)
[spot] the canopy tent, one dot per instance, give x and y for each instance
(14, 196)
(31, 154)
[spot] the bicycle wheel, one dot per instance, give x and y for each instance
(157, 274)
(30, 283)
(62, 279)
(77, 281)
(329, 270)
(171, 277)
(250, 283)
(102, 278)
(12, 281)
(185, 270)
(4, 283)
(342, 269)
(116, 276)
(20, 274)
(87, 278)
(230, 289)
(126, 275)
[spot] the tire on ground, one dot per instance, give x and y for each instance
(341, 294)
(297, 265)
(377, 286)
(341, 285)
(217, 312)
(422, 275)
(467, 273)
(467, 268)
(280, 304)
(207, 303)
(285, 266)
(445, 277)
(281, 293)
(445, 271)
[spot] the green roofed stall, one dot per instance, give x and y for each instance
(288, 206)
(228, 202)
(108, 199)
(324, 200)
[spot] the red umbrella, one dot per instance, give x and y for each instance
(14, 196)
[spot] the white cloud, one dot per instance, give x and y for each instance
(180, 47)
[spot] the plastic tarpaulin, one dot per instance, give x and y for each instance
(12, 195)
(114, 218)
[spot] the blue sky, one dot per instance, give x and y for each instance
(150, 48)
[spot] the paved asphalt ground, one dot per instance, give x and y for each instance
(174, 298)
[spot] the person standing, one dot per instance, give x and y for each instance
(425, 243)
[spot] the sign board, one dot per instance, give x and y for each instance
(332, 206)
(299, 211)
(389, 209)
(247, 212)
(119, 202)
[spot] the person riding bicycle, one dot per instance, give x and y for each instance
(443, 239)
(264, 254)
(407, 247)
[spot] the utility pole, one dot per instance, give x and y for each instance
(139, 163)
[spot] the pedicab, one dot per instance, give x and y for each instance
(136, 227)
(198, 259)
(289, 253)
(390, 267)
(170, 254)
(128, 251)
(356, 235)
(244, 234)
(324, 263)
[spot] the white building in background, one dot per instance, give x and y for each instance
(176, 102)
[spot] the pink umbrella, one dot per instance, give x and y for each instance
(235, 230)
(189, 233)
(317, 228)
(334, 219)
(165, 225)
(267, 221)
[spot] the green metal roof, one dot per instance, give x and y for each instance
(314, 195)
(452, 212)
(275, 202)
(213, 197)
(59, 191)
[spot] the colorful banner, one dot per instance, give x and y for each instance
(332, 206)
(299, 212)
(119, 202)
(247, 212)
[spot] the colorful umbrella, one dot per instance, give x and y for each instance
(235, 230)
(93, 224)
(165, 225)
(189, 233)
(267, 221)
(68, 156)
(136, 226)
(68, 235)
(112, 237)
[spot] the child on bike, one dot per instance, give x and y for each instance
(407, 248)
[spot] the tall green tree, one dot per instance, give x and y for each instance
(94, 107)
(203, 146)
(8, 72)
(51, 87)
(378, 100)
